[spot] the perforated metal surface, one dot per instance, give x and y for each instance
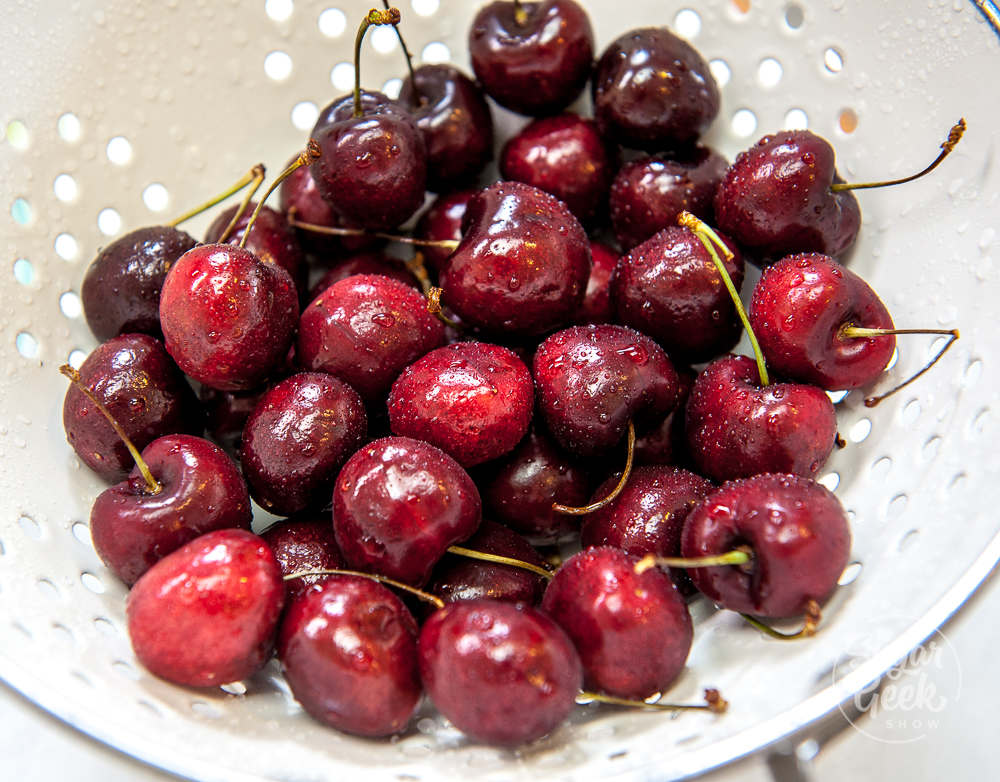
(121, 114)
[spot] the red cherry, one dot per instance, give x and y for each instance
(300, 544)
(596, 307)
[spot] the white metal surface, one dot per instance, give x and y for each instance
(187, 86)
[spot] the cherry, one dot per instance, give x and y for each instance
(470, 399)
(647, 194)
(502, 673)
(398, 504)
(349, 652)
(298, 437)
(797, 534)
(528, 482)
(443, 221)
(667, 443)
(737, 427)
(134, 377)
(365, 262)
(566, 156)
(302, 544)
(366, 329)
(596, 307)
(632, 630)
(592, 380)
(653, 91)
(523, 263)
(533, 58)
(206, 614)
(669, 288)
(454, 118)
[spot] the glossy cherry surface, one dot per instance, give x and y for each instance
(441, 222)
(302, 543)
(364, 262)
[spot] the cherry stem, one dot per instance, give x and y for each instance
(954, 136)
(708, 238)
(434, 308)
(254, 174)
(810, 622)
(312, 152)
(444, 244)
(152, 485)
(409, 58)
(613, 494)
(418, 269)
(520, 15)
(244, 205)
(376, 18)
(499, 560)
(735, 557)
(850, 331)
(426, 596)
(714, 702)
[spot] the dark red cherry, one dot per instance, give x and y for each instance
(647, 194)
(135, 379)
(653, 91)
(442, 222)
(667, 442)
(737, 428)
(535, 475)
(366, 262)
(301, 544)
(592, 380)
(228, 318)
(458, 577)
(397, 506)
(799, 310)
(523, 263)
(452, 113)
(207, 613)
(596, 307)
(776, 198)
(366, 329)
(566, 156)
(298, 437)
(502, 673)
(201, 490)
(533, 58)
(271, 239)
(121, 289)
(373, 168)
(349, 652)
(669, 288)
(798, 537)
(632, 630)
(470, 399)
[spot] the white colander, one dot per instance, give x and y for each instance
(119, 114)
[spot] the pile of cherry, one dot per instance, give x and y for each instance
(459, 408)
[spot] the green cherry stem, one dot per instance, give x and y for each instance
(612, 495)
(373, 18)
(433, 296)
(311, 153)
(714, 702)
(153, 486)
(954, 136)
(258, 180)
(329, 230)
(810, 622)
(254, 174)
(708, 238)
(740, 556)
(426, 596)
(499, 560)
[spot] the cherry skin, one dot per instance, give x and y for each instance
(534, 59)
(776, 198)
(524, 487)
(738, 428)
(302, 543)
(135, 379)
(502, 673)
(648, 193)
(454, 117)
(442, 222)
(523, 263)
(653, 91)
(397, 506)
(667, 442)
(592, 380)
(632, 630)
(796, 530)
(366, 329)
(798, 311)
(207, 613)
(298, 437)
(121, 289)
(365, 262)
(202, 490)
(348, 648)
(228, 319)
(373, 168)
(470, 399)
(566, 156)
(596, 307)
(669, 288)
